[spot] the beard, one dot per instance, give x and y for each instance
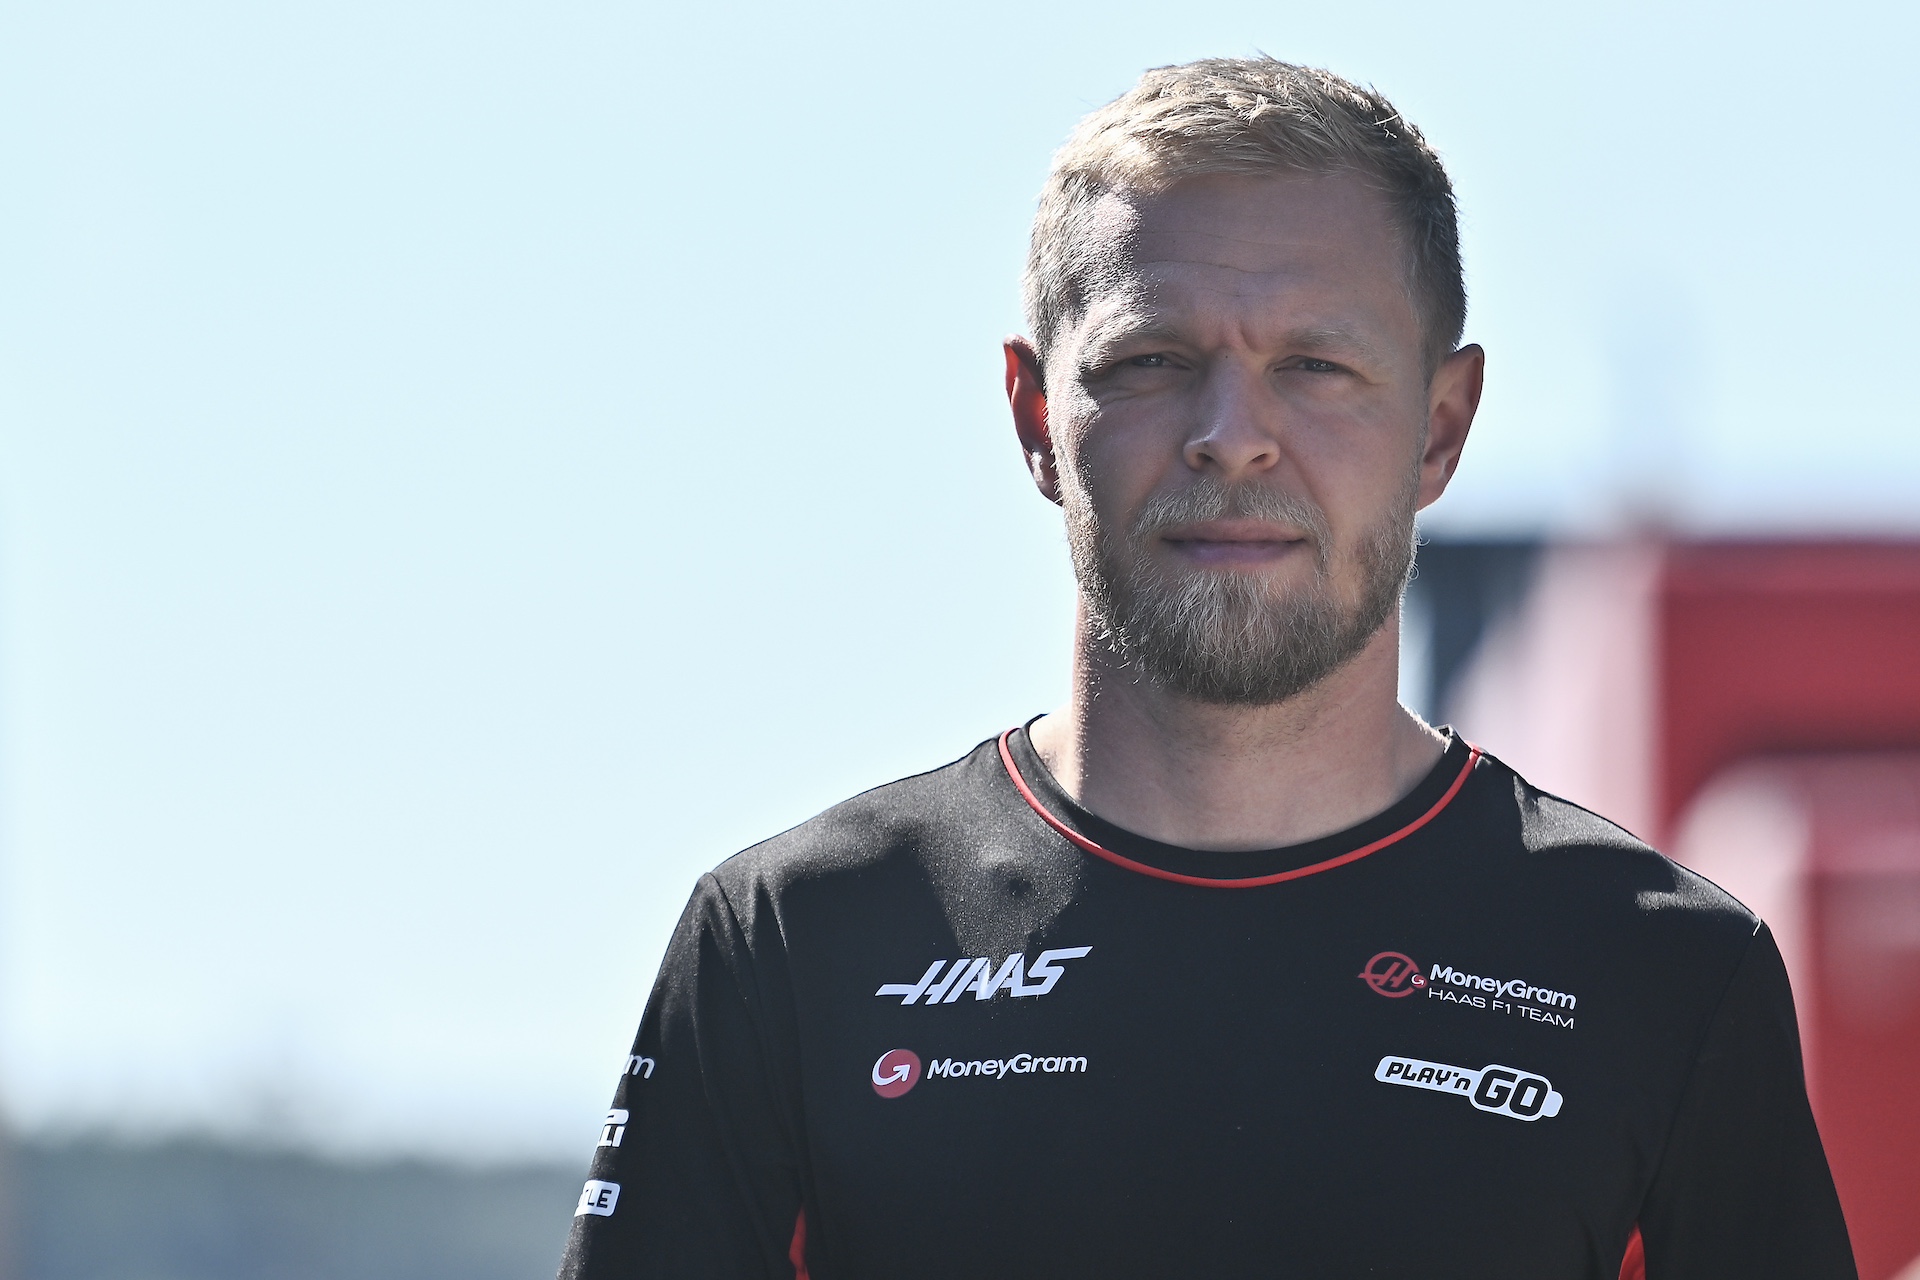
(1227, 637)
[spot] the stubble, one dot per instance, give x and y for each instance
(1228, 637)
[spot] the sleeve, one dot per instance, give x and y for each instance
(1743, 1188)
(696, 1172)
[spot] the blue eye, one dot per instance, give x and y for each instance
(1147, 362)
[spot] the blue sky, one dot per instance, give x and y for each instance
(466, 469)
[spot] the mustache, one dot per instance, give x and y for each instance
(1208, 499)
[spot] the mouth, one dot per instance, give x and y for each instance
(1228, 544)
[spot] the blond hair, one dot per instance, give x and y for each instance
(1255, 116)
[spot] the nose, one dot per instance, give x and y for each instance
(1234, 432)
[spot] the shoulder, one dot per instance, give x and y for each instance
(890, 829)
(1588, 859)
(1647, 947)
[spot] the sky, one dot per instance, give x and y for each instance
(465, 469)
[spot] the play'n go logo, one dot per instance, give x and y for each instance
(1506, 1091)
(1393, 974)
(897, 1071)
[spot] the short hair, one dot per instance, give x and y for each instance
(1257, 116)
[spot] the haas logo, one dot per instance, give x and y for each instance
(1393, 975)
(897, 1071)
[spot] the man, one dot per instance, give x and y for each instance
(1232, 966)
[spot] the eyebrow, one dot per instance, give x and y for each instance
(1106, 337)
(1334, 337)
(1312, 338)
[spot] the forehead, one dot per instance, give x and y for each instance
(1285, 247)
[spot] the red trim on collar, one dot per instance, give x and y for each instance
(1252, 882)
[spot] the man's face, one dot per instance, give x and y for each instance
(1239, 421)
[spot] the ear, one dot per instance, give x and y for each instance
(1452, 399)
(1027, 397)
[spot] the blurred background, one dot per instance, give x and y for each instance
(466, 469)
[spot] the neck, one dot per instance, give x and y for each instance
(1206, 776)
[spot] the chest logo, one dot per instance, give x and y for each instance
(1393, 974)
(942, 984)
(1397, 975)
(1506, 1091)
(897, 1071)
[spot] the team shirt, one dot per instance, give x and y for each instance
(959, 1026)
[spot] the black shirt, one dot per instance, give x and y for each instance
(959, 1026)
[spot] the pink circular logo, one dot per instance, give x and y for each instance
(897, 1071)
(1393, 974)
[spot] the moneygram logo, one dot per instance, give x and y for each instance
(1393, 975)
(1506, 1091)
(897, 1071)
(1020, 1064)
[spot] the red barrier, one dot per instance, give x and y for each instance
(1755, 709)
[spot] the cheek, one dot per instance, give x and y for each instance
(1115, 462)
(1362, 432)
(1361, 475)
